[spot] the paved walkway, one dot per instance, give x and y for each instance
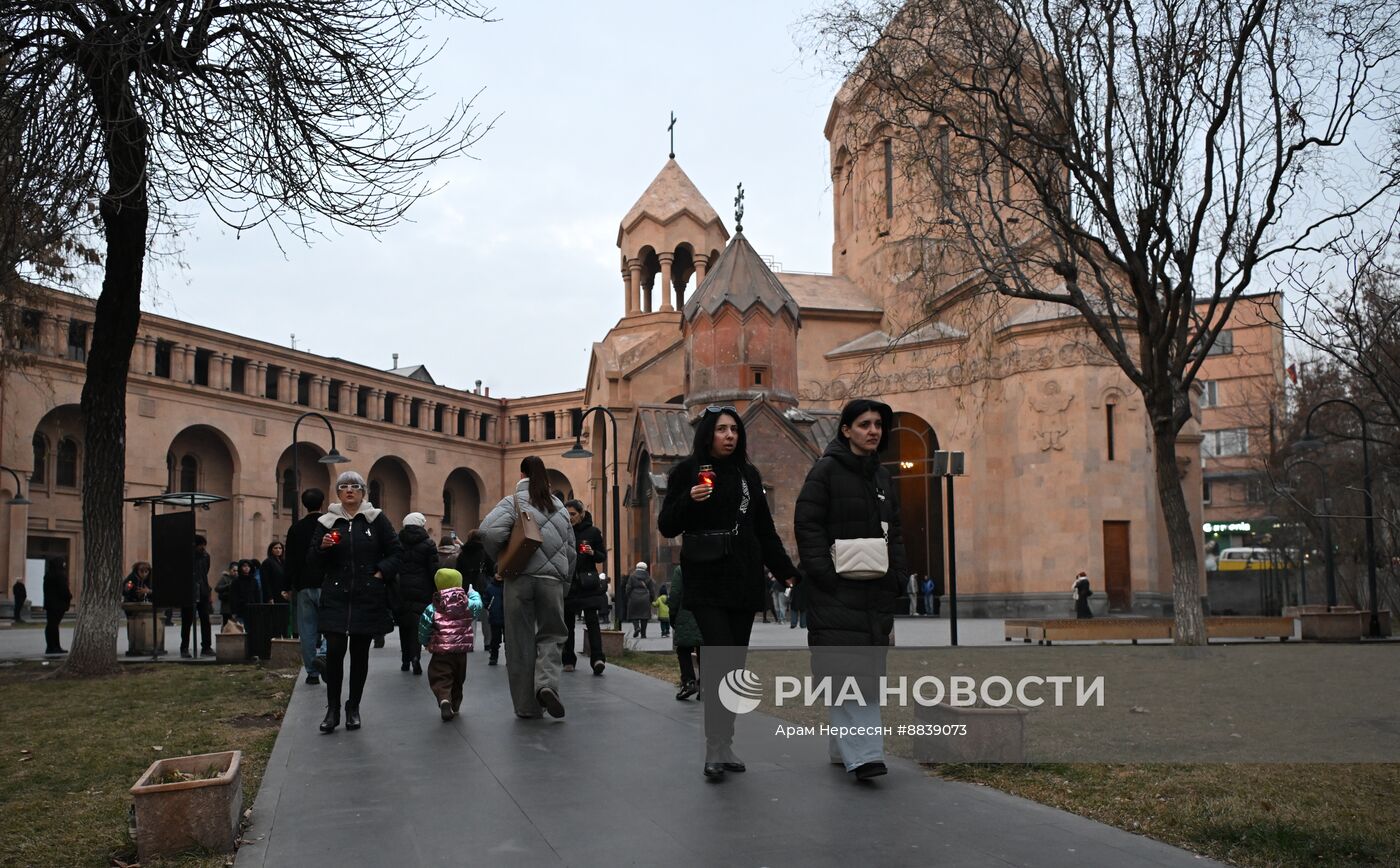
(26, 642)
(618, 782)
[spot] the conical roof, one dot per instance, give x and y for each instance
(743, 279)
(670, 193)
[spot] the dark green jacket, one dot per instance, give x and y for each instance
(686, 630)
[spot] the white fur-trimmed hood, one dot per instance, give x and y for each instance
(336, 511)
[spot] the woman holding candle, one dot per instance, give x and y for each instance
(356, 548)
(715, 502)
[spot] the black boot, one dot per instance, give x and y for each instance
(731, 762)
(417, 667)
(717, 754)
(352, 716)
(332, 719)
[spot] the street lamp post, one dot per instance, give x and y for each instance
(1324, 514)
(950, 465)
(1309, 443)
(19, 499)
(332, 457)
(577, 451)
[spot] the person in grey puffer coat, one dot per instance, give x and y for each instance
(641, 591)
(534, 599)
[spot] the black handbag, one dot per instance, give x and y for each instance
(708, 546)
(703, 547)
(588, 581)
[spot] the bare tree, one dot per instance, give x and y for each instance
(1348, 329)
(1351, 325)
(45, 217)
(263, 110)
(1139, 162)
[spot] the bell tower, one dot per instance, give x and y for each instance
(671, 233)
(741, 334)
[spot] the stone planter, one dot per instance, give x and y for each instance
(612, 643)
(1342, 624)
(286, 654)
(139, 620)
(991, 735)
(231, 647)
(173, 818)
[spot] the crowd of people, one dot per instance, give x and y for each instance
(534, 568)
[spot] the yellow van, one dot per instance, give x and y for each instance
(1251, 559)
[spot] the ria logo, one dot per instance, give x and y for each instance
(740, 691)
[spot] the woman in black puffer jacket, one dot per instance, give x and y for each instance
(728, 539)
(586, 592)
(354, 546)
(417, 566)
(849, 495)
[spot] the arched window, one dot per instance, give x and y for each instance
(66, 467)
(41, 460)
(446, 506)
(1108, 427)
(375, 491)
(289, 489)
(169, 472)
(189, 473)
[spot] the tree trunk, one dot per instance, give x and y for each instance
(124, 215)
(1181, 537)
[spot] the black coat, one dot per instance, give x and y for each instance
(1082, 593)
(735, 581)
(243, 592)
(476, 568)
(57, 595)
(297, 572)
(493, 598)
(585, 591)
(352, 599)
(134, 590)
(418, 564)
(846, 497)
(274, 580)
(200, 577)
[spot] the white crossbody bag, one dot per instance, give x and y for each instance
(864, 558)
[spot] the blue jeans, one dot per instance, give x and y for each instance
(780, 605)
(308, 600)
(857, 750)
(796, 617)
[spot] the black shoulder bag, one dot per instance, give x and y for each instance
(708, 546)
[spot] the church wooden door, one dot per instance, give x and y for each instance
(1117, 569)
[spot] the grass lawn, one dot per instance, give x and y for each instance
(1254, 815)
(70, 749)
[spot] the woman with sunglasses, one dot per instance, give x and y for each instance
(715, 503)
(356, 548)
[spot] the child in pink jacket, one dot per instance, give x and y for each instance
(446, 630)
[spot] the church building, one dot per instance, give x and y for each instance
(1058, 473)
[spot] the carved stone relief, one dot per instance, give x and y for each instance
(1052, 422)
(961, 374)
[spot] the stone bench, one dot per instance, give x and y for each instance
(1342, 624)
(1249, 627)
(1046, 631)
(1021, 628)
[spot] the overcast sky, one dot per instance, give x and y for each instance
(511, 272)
